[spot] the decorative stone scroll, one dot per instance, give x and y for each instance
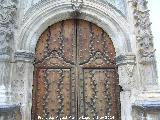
(143, 32)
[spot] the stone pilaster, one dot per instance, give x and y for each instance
(126, 69)
(145, 48)
(126, 105)
(22, 79)
(7, 26)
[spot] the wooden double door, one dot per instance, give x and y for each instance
(75, 75)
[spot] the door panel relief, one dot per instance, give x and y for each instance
(75, 73)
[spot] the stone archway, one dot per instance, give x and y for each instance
(75, 73)
(53, 12)
(130, 33)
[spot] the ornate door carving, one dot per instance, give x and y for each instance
(75, 73)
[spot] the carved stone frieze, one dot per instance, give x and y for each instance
(24, 56)
(143, 32)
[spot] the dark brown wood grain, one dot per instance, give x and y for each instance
(75, 73)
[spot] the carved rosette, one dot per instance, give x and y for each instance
(143, 32)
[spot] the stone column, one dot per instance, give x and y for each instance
(7, 28)
(22, 79)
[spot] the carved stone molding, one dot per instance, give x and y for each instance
(143, 32)
(22, 55)
(129, 61)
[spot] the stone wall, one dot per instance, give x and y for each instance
(22, 22)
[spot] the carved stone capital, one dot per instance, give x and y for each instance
(22, 55)
(126, 64)
(128, 61)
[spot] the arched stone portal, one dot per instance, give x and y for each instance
(75, 73)
(135, 60)
(37, 20)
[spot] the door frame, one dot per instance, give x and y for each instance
(37, 20)
(78, 67)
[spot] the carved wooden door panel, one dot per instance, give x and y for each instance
(75, 73)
